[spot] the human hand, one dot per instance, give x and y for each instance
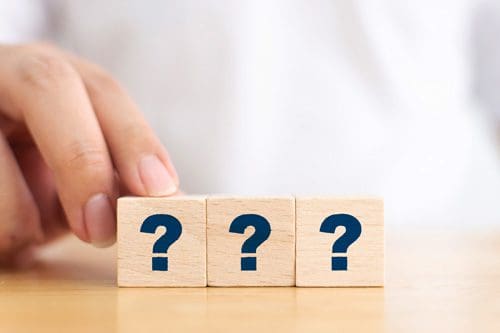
(71, 142)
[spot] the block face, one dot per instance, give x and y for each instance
(141, 224)
(230, 262)
(321, 223)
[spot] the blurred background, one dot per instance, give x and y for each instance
(387, 98)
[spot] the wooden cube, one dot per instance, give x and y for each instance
(162, 242)
(340, 242)
(251, 241)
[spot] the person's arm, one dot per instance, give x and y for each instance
(71, 142)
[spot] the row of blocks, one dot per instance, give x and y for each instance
(195, 241)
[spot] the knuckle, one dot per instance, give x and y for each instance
(87, 157)
(43, 70)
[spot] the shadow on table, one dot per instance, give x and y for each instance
(66, 261)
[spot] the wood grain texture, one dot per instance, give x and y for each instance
(186, 257)
(275, 257)
(448, 285)
(365, 256)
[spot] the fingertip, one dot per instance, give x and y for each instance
(99, 220)
(156, 179)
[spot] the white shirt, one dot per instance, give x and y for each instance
(299, 97)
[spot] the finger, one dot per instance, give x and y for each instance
(141, 160)
(19, 219)
(40, 182)
(20, 259)
(54, 104)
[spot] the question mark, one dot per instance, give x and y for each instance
(352, 233)
(173, 232)
(262, 232)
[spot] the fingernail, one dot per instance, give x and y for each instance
(156, 179)
(99, 217)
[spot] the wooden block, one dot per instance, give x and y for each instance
(142, 222)
(273, 262)
(317, 232)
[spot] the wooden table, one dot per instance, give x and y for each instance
(443, 280)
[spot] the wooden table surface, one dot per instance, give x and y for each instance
(441, 280)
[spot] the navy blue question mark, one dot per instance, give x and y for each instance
(173, 232)
(352, 233)
(262, 232)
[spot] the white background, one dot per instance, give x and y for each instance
(386, 98)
